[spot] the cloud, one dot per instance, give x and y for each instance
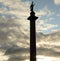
(55, 30)
(47, 44)
(45, 16)
(44, 12)
(3, 57)
(57, 2)
(48, 52)
(15, 31)
(23, 12)
(13, 23)
(43, 25)
(15, 7)
(49, 26)
(17, 53)
(23, 53)
(12, 32)
(58, 15)
(18, 58)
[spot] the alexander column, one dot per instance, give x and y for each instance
(32, 19)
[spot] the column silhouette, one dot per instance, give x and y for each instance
(32, 19)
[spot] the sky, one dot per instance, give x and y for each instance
(14, 29)
(48, 12)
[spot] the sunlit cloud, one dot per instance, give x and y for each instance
(55, 30)
(44, 11)
(46, 58)
(45, 26)
(57, 2)
(13, 8)
(3, 57)
(49, 26)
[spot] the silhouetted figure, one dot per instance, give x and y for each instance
(32, 6)
(32, 19)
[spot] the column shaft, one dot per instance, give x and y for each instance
(32, 41)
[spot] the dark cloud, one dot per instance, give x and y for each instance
(48, 52)
(14, 50)
(17, 53)
(22, 54)
(18, 58)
